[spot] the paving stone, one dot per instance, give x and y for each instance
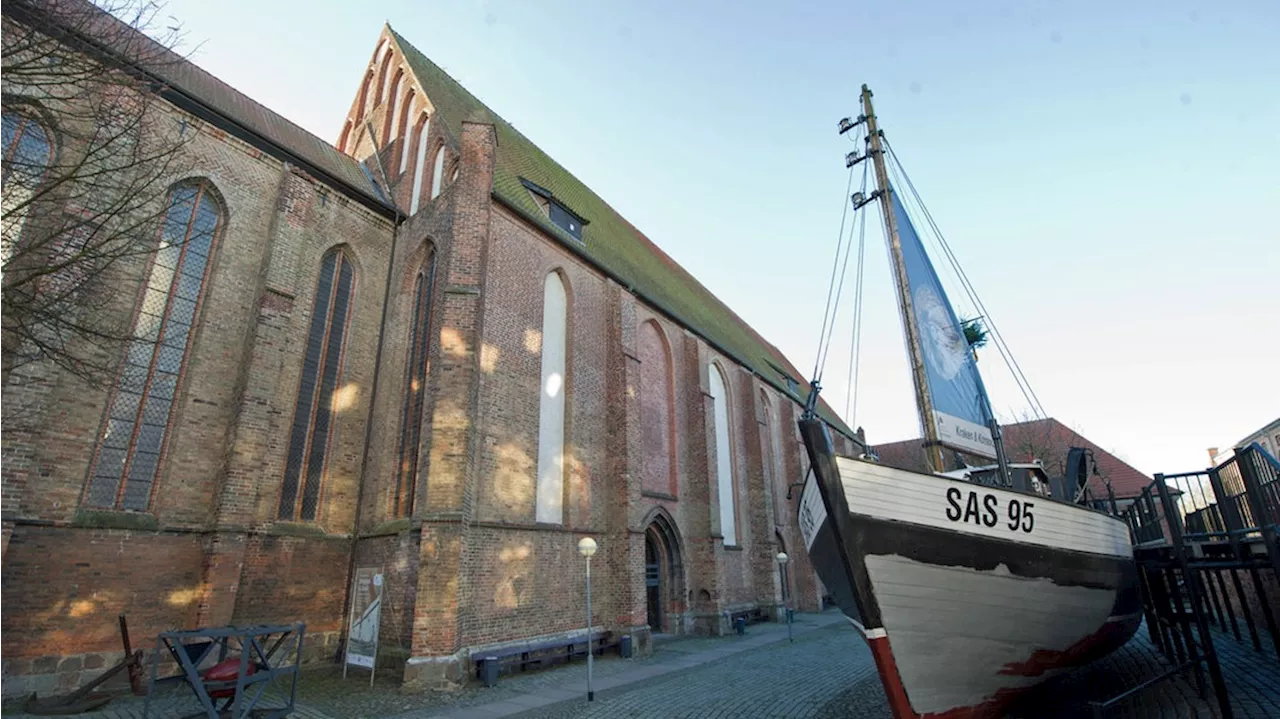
(826, 673)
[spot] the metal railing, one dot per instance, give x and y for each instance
(1194, 531)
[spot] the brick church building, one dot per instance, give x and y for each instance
(425, 347)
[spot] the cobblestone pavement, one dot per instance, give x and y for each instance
(830, 675)
(324, 694)
(826, 673)
(1252, 675)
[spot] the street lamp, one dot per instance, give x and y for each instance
(587, 547)
(786, 601)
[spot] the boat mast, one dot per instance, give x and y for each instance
(933, 450)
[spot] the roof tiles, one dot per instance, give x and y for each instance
(1045, 439)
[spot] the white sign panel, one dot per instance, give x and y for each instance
(964, 435)
(812, 512)
(366, 611)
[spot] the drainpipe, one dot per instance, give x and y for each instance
(373, 397)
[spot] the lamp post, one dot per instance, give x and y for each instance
(587, 547)
(786, 601)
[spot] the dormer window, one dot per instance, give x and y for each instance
(563, 217)
(793, 384)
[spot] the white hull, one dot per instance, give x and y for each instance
(878, 491)
(967, 594)
(962, 637)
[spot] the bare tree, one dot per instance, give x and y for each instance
(90, 148)
(1031, 438)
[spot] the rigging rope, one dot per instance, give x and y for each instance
(826, 347)
(826, 314)
(1024, 385)
(855, 352)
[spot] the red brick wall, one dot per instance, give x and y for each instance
(63, 589)
(656, 413)
(527, 582)
(469, 566)
(72, 414)
(414, 245)
(397, 555)
(391, 151)
(510, 364)
(221, 475)
(736, 573)
(506, 554)
(289, 579)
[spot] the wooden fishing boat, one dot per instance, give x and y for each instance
(970, 584)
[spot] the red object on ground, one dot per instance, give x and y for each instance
(225, 671)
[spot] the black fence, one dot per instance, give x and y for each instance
(1208, 560)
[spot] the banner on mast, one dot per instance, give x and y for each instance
(955, 389)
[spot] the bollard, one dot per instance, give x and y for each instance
(490, 668)
(740, 625)
(791, 615)
(624, 646)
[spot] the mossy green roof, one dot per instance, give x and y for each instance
(608, 240)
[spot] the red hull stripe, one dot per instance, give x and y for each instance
(901, 706)
(893, 688)
(1113, 634)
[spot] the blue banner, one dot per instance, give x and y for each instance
(951, 375)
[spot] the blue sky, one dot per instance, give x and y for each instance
(1106, 172)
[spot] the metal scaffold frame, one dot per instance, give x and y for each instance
(261, 655)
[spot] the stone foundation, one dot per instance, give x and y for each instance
(435, 673)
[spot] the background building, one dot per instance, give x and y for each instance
(427, 348)
(1046, 440)
(1268, 437)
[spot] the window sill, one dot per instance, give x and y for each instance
(658, 495)
(733, 547)
(115, 519)
(391, 526)
(297, 529)
(534, 526)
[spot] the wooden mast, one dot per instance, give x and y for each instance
(933, 451)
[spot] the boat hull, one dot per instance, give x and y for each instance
(967, 595)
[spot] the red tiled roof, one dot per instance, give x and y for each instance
(1045, 439)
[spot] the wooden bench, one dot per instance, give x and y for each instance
(541, 652)
(750, 616)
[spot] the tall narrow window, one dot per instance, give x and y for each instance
(393, 105)
(321, 368)
(775, 477)
(138, 421)
(402, 134)
(424, 125)
(724, 462)
(437, 173)
(27, 151)
(363, 103)
(383, 78)
(415, 390)
(342, 139)
(550, 489)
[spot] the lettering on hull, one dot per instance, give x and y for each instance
(1016, 515)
